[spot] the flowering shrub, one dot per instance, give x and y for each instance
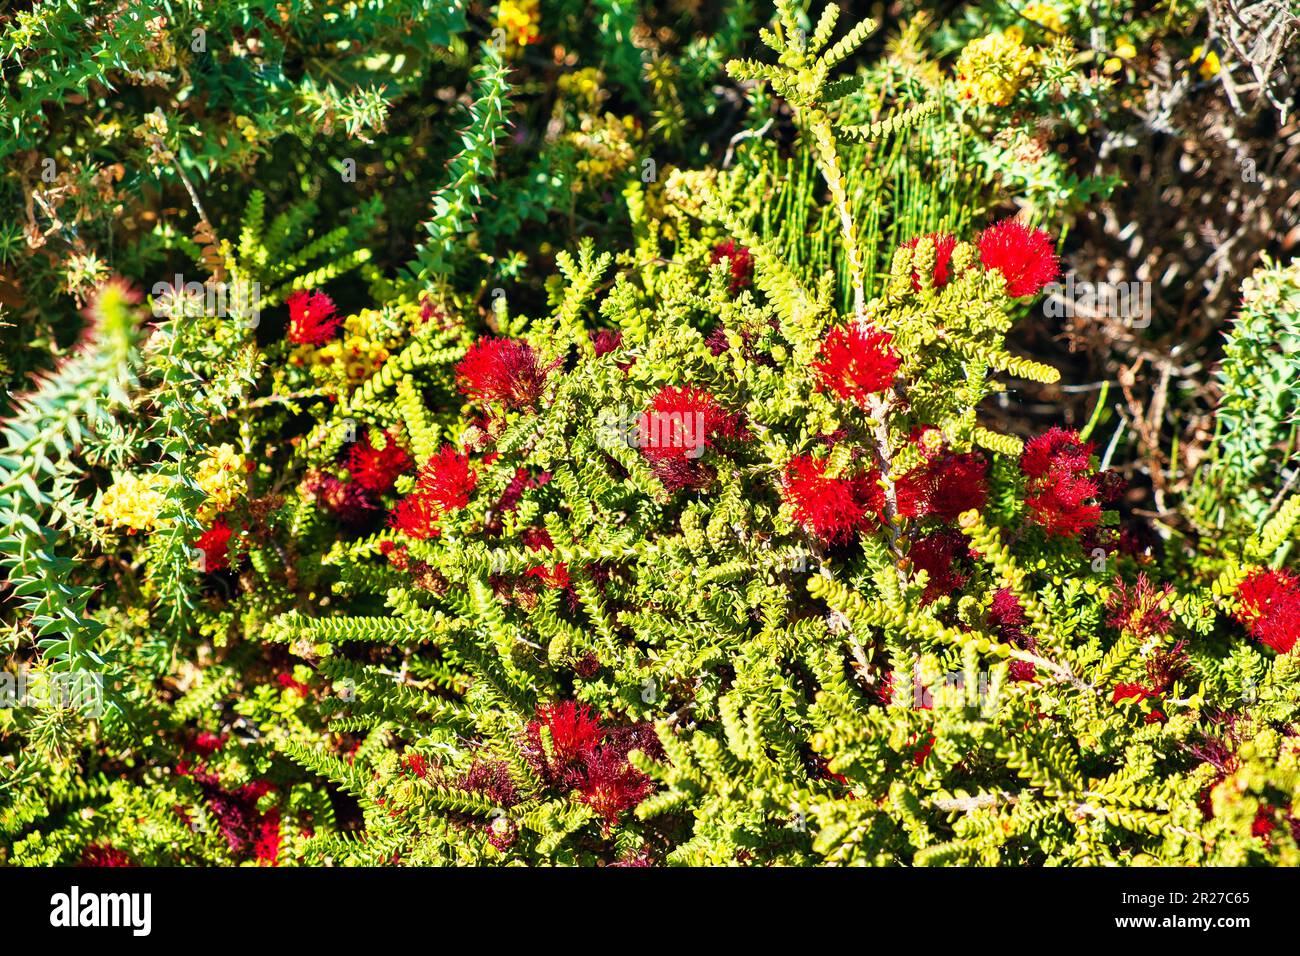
(683, 553)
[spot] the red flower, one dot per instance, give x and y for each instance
(288, 682)
(215, 545)
(103, 855)
(1268, 603)
(375, 469)
(741, 263)
(266, 845)
(1139, 693)
(673, 433)
(856, 362)
(346, 500)
(605, 341)
(944, 486)
(1143, 611)
(935, 554)
(490, 779)
(444, 485)
(944, 244)
(311, 318)
(418, 764)
(501, 371)
(1025, 257)
(556, 577)
(1008, 620)
(613, 785)
(832, 509)
(1061, 481)
(575, 733)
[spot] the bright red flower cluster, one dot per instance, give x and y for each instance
(311, 318)
(104, 855)
(215, 546)
(1061, 482)
(741, 263)
(938, 554)
(944, 486)
(503, 372)
(444, 485)
(1025, 257)
(1007, 619)
(681, 422)
(832, 509)
(1268, 603)
(375, 469)
(586, 756)
(856, 362)
(944, 244)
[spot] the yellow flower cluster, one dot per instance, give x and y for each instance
(1045, 15)
(993, 69)
(133, 502)
(586, 87)
(221, 476)
(364, 345)
(607, 145)
(519, 20)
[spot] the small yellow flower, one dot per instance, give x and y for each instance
(1207, 63)
(1045, 15)
(133, 502)
(1124, 50)
(221, 477)
(993, 69)
(518, 20)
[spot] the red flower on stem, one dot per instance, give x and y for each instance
(741, 263)
(215, 546)
(832, 509)
(1025, 257)
(856, 362)
(311, 318)
(375, 469)
(1061, 482)
(444, 485)
(944, 244)
(501, 372)
(1268, 603)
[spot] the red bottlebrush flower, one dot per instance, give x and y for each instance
(936, 554)
(575, 733)
(104, 855)
(375, 469)
(1056, 451)
(490, 779)
(680, 423)
(1166, 667)
(1025, 257)
(832, 509)
(605, 341)
(923, 752)
(1061, 481)
(556, 577)
(206, 744)
(1008, 620)
(266, 845)
(944, 244)
(944, 486)
(1143, 610)
(503, 372)
(311, 318)
(418, 764)
(741, 263)
(537, 539)
(346, 500)
(613, 785)
(856, 362)
(1263, 823)
(215, 546)
(444, 485)
(1268, 603)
